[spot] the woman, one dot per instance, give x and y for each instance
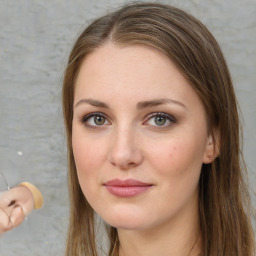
(153, 138)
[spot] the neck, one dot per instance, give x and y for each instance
(151, 246)
(181, 237)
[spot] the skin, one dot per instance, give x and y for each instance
(129, 143)
(15, 205)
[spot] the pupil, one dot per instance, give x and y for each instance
(99, 120)
(160, 120)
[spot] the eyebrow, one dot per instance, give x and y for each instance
(140, 105)
(157, 102)
(95, 103)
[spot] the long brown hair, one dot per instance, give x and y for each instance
(223, 195)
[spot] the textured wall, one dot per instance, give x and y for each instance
(35, 39)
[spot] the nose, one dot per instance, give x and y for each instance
(125, 152)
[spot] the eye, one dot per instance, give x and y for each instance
(95, 120)
(160, 120)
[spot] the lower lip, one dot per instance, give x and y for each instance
(127, 191)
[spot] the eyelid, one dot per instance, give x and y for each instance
(86, 117)
(169, 117)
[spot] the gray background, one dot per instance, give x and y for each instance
(35, 40)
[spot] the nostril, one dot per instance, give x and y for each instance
(126, 161)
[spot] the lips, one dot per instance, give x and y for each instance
(126, 188)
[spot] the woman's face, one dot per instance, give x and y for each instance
(139, 137)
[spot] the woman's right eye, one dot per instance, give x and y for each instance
(95, 120)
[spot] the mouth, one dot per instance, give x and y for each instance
(126, 188)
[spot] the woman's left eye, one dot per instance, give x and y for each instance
(160, 120)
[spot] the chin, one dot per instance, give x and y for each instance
(127, 221)
(128, 226)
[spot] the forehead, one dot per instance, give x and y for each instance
(138, 67)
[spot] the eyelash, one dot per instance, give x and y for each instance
(168, 117)
(86, 119)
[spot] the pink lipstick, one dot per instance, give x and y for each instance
(126, 188)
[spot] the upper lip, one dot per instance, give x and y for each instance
(126, 183)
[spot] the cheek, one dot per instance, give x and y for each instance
(87, 155)
(87, 161)
(80, 152)
(177, 157)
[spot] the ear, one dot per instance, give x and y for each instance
(212, 148)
